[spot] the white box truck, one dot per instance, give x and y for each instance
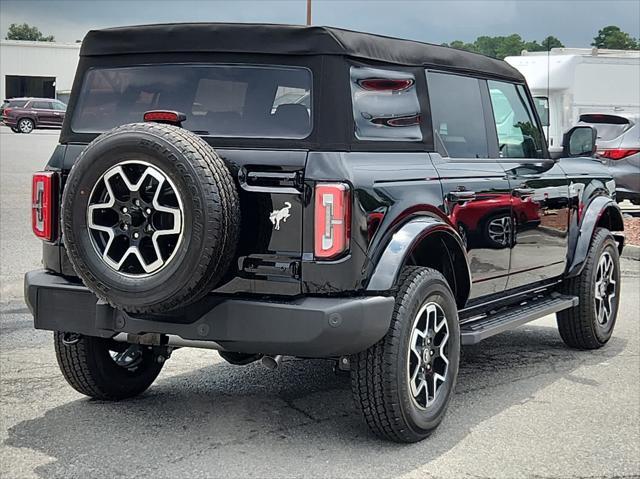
(569, 82)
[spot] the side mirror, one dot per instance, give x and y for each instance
(579, 141)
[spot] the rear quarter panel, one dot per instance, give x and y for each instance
(388, 188)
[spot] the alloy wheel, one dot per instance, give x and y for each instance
(428, 349)
(135, 218)
(605, 296)
(500, 230)
(26, 126)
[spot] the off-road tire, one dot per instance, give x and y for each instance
(211, 217)
(379, 375)
(578, 326)
(90, 370)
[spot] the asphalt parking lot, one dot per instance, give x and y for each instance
(525, 404)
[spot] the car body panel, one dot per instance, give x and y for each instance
(625, 171)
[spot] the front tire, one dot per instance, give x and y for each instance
(403, 383)
(88, 365)
(589, 325)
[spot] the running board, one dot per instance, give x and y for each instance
(496, 322)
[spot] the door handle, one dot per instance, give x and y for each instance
(462, 195)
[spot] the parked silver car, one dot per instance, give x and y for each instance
(619, 147)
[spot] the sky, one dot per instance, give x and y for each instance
(574, 22)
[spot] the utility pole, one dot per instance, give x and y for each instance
(308, 12)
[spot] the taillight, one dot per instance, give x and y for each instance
(385, 84)
(42, 204)
(6, 112)
(332, 220)
(407, 120)
(617, 153)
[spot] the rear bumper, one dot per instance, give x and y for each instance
(306, 327)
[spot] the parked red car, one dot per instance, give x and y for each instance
(23, 115)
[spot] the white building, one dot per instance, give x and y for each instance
(41, 69)
(569, 82)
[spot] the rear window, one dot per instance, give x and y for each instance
(608, 127)
(14, 103)
(218, 100)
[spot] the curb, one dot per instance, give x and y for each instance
(631, 252)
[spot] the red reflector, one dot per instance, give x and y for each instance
(172, 117)
(617, 153)
(409, 120)
(42, 203)
(385, 84)
(332, 220)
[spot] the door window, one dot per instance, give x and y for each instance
(59, 106)
(518, 133)
(41, 105)
(457, 115)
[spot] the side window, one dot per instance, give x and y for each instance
(58, 105)
(41, 105)
(385, 105)
(457, 115)
(518, 133)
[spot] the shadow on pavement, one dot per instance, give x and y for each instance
(297, 421)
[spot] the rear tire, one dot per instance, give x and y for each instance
(387, 379)
(15, 129)
(87, 365)
(589, 325)
(26, 125)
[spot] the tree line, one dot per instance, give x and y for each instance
(497, 47)
(512, 45)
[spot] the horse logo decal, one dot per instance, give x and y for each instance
(280, 215)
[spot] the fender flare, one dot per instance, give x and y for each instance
(592, 215)
(402, 243)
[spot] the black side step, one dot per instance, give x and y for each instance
(510, 317)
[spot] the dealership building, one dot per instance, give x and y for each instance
(41, 69)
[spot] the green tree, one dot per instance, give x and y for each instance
(509, 46)
(612, 37)
(501, 47)
(27, 32)
(460, 45)
(546, 45)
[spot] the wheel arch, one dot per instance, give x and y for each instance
(602, 212)
(27, 117)
(424, 241)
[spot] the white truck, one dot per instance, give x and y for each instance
(569, 82)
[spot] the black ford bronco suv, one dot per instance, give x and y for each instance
(269, 190)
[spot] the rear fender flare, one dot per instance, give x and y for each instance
(595, 211)
(399, 248)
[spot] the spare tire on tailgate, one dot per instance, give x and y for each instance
(150, 216)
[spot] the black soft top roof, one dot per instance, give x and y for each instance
(285, 40)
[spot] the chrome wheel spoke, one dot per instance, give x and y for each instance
(131, 208)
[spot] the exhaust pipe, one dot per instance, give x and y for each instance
(271, 362)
